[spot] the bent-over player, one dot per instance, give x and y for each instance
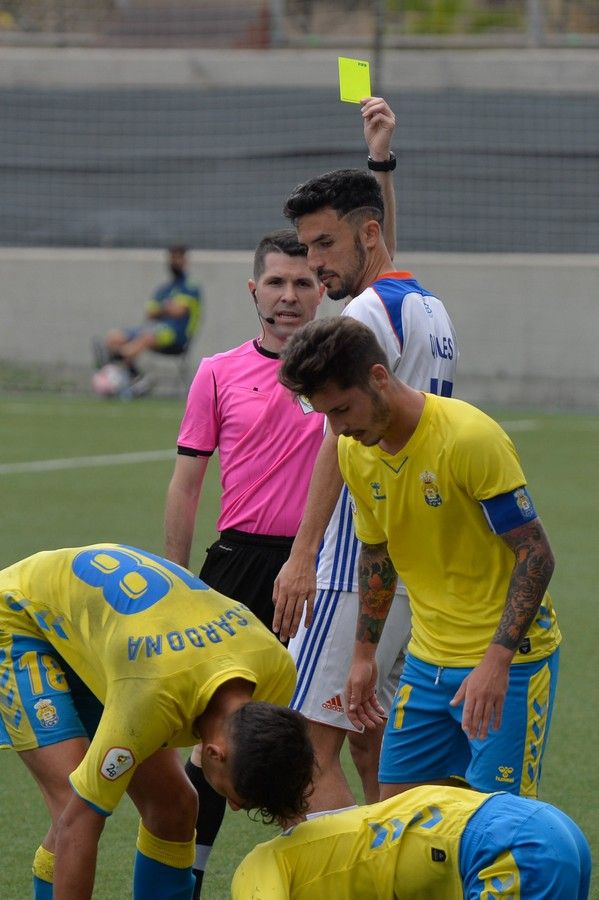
(430, 842)
(110, 658)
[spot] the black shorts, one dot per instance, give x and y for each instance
(244, 567)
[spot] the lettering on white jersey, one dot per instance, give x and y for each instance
(441, 346)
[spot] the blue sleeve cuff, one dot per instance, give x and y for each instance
(507, 511)
(101, 812)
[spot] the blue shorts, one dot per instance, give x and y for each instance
(424, 740)
(514, 847)
(42, 701)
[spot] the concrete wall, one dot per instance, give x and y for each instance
(528, 326)
(547, 70)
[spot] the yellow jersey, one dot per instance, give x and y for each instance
(407, 846)
(426, 502)
(149, 639)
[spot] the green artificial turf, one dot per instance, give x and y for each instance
(77, 501)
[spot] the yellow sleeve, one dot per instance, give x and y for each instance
(130, 730)
(485, 460)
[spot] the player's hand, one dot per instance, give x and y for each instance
(294, 586)
(379, 125)
(482, 692)
(362, 707)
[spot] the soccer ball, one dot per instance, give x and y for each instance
(112, 380)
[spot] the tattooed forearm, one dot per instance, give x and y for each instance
(377, 580)
(531, 575)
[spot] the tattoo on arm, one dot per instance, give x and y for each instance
(377, 580)
(531, 575)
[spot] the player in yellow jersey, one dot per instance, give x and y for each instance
(429, 843)
(110, 658)
(440, 498)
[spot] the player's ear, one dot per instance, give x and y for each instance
(378, 376)
(371, 232)
(214, 752)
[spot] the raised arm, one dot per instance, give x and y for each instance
(182, 500)
(483, 691)
(296, 582)
(379, 125)
(377, 580)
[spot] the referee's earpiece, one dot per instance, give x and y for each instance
(268, 319)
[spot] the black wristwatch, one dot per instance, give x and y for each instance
(387, 165)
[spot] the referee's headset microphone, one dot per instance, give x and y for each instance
(268, 319)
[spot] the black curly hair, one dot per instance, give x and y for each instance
(338, 349)
(272, 762)
(347, 191)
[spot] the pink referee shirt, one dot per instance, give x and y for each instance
(267, 444)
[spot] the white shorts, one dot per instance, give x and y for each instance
(322, 654)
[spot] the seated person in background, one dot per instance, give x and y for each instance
(171, 318)
(433, 842)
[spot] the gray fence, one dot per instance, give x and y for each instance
(479, 170)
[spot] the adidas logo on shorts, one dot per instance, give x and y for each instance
(335, 703)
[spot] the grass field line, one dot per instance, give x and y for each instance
(118, 459)
(82, 462)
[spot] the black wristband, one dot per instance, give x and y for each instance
(386, 165)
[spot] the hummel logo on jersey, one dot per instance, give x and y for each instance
(335, 703)
(376, 491)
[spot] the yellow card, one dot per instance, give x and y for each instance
(354, 79)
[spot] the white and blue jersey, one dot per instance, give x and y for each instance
(416, 333)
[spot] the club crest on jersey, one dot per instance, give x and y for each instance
(376, 491)
(116, 762)
(46, 712)
(430, 489)
(524, 503)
